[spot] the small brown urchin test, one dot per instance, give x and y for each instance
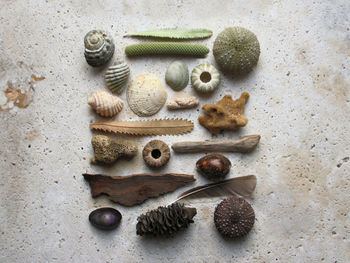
(156, 153)
(234, 217)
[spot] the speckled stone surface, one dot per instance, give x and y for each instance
(299, 104)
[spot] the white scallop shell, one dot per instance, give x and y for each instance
(146, 95)
(116, 76)
(99, 47)
(205, 78)
(176, 75)
(182, 103)
(105, 104)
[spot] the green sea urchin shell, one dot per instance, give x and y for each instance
(236, 50)
(177, 76)
(205, 78)
(166, 48)
(116, 76)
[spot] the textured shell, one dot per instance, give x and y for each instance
(156, 153)
(234, 217)
(99, 47)
(105, 104)
(177, 75)
(146, 95)
(116, 76)
(205, 78)
(182, 103)
(236, 50)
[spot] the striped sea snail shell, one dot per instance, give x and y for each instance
(116, 76)
(205, 78)
(236, 50)
(146, 95)
(177, 76)
(99, 47)
(105, 104)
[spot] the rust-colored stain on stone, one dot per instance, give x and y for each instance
(16, 97)
(35, 78)
(20, 96)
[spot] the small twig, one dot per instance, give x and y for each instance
(243, 145)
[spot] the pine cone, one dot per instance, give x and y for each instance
(165, 220)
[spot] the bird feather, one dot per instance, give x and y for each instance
(243, 186)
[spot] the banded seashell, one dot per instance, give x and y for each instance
(116, 76)
(99, 47)
(146, 95)
(105, 104)
(205, 78)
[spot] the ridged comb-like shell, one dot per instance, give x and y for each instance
(116, 76)
(99, 47)
(205, 78)
(105, 104)
(146, 95)
(236, 50)
(177, 76)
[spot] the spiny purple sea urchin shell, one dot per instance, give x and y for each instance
(234, 217)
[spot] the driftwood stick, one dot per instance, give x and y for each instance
(243, 145)
(135, 189)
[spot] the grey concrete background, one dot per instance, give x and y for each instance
(299, 104)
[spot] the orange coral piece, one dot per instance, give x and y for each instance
(226, 114)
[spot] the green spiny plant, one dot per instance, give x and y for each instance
(175, 33)
(166, 48)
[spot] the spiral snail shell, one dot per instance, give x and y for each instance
(99, 47)
(116, 76)
(205, 78)
(105, 104)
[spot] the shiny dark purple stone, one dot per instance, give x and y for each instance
(105, 218)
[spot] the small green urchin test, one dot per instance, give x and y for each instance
(166, 48)
(236, 50)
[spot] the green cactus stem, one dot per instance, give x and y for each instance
(167, 48)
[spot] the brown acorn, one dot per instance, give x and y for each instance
(234, 217)
(213, 166)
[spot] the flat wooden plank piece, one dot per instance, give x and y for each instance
(135, 189)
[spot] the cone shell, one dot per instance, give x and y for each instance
(146, 95)
(116, 76)
(205, 78)
(105, 104)
(99, 47)
(176, 75)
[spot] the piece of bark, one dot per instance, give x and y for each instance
(135, 189)
(243, 145)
